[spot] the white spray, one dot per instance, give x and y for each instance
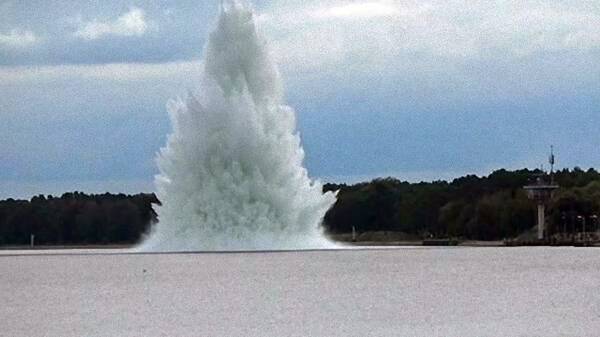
(231, 174)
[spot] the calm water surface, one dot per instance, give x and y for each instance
(534, 291)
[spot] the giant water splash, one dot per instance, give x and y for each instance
(231, 174)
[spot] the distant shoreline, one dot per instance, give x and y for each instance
(468, 211)
(66, 247)
(410, 243)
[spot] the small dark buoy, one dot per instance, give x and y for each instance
(144, 270)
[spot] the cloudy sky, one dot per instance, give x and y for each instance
(413, 89)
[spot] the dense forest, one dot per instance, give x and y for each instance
(470, 207)
(76, 218)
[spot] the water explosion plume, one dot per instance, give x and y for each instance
(231, 174)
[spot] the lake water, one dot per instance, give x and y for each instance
(533, 291)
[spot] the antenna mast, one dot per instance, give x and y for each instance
(551, 161)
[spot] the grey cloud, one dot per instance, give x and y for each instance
(102, 32)
(132, 23)
(17, 38)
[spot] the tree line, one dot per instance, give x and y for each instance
(76, 219)
(492, 207)
(480, 208)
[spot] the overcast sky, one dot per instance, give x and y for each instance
(412, 89)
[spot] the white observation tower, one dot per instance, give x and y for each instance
(541, 191)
